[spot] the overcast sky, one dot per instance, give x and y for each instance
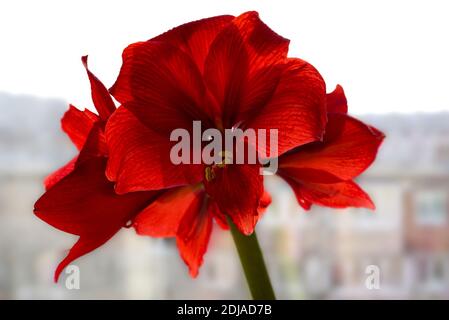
(390, 56)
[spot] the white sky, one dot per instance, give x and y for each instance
(390, 56)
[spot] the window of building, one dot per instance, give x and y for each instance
(431, 207)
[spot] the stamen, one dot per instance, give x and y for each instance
(226, 158)
(209, 174)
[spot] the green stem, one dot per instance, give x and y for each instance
(253, 264)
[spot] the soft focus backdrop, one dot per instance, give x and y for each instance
(391, 58)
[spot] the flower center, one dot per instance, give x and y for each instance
(209, 171)
(209, 174)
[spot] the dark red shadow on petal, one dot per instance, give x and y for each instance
(84, 203)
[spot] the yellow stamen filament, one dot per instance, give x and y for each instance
(209, 174)
(226, 157)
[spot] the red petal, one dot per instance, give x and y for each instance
(85, 130)
(84, 245)
(297, 109)
(162, 217)
(95, 145)
(263, 45)
(237, 190)
(195, 38)
(100, 95)
(241, 67)
(264, 202)
(336, 101)
(56, 176)
(348, 148)
(336, 195)
(297, 189)
(194, 234)
(310, 175)
(77, 124)
(84, 203)
(219, 216)
(162, 86)
(139, 158)
(181, 212)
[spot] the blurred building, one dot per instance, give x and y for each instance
(319, 254)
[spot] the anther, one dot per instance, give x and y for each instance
(209, 174)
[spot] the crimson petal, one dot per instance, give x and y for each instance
(56, 176)
(297, 109)
(336, 195)
(77, 124)
(243, 53)
(100, 96)
(84, 245)
(237, 190)
(163, 216)
(162, 86)
(84, 203)
(95, 145)
(194, 234)
(139, 158)
(220, 217)
(336, 101)
(195, 38)
(264, 202)
(348, 148)
(185, 213)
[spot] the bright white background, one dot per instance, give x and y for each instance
(390, 56)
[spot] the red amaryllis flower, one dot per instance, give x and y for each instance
(79, 198)
(82, 201)
(227, 72)
(322, 172)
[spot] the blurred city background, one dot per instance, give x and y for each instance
(319, 254)
(389, 56)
